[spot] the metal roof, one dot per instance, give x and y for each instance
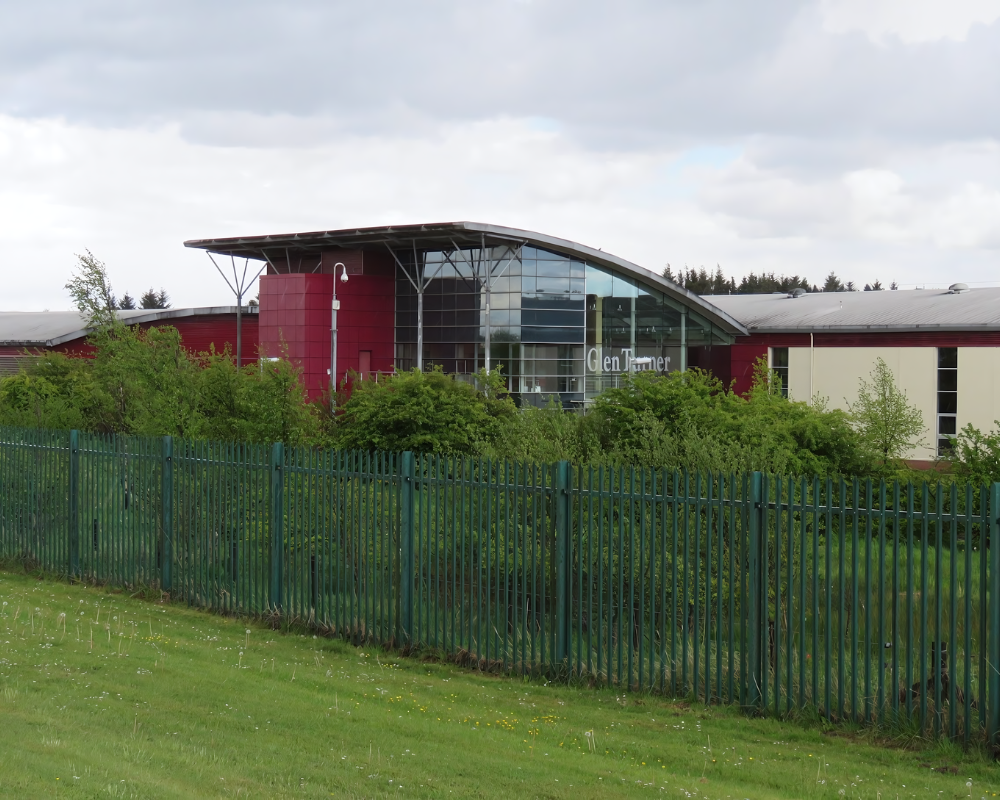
(904, 310)
(446, 235)
(51, 328)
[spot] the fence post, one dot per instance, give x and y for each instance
(407, 475)
(993, 659)
(167, 513)
(74, 504)
(277, 523)
(562, 561)
(754, 601)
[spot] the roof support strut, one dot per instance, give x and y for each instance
(238, 286)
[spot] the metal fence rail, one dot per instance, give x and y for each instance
(869, 601)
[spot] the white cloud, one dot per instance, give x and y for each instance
(133, 195)
(941, 203)
(795, 136)
(911, 21)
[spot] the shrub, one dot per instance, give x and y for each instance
(427, 412)
(976, 455)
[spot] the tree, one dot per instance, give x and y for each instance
(873, 287)
(833, 283)
(90, 289)
(768, 283)
(153, 299)
(893, 286)
(850, 287)
(429, 412)
(887, 422)
(127, 303)
(701, 281)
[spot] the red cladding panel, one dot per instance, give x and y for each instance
(742, 359)
(295, 320)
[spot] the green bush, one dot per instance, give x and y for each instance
(976, 455)
(428, 412)
(144, 382)
(691, 419)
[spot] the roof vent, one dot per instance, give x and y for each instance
(800, 292)
(958, 288)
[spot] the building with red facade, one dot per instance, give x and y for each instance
(561, 320)
(27, 333)
(943, 347)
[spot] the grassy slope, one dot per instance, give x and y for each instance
(168, 702)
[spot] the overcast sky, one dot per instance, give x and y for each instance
(860, 136)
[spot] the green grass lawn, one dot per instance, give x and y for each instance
(106, 696)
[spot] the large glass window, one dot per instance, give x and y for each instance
(779, 366)
(558, 327)
(947, 398)
(631, 327)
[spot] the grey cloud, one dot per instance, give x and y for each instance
(630, 74)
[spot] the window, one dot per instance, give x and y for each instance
(947, 398)
(779, 365)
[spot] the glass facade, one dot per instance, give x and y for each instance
(557, 326)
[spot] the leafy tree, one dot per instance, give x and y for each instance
(153, 299)
(427, 412)
(873, 287)
(256, 403)
(691, 419)
(833, 283)
(54, 392)
(127, 303)
(90, 289)
(975, 455)
(886, 420)
(144, 382)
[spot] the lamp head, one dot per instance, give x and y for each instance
(343, 275)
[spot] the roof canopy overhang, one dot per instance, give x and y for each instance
(447, 236)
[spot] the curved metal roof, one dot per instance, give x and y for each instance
(444, 235)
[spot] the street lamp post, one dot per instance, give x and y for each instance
(335, 307)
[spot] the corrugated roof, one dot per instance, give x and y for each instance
(446, 235)
(51, 328)
(904, 310)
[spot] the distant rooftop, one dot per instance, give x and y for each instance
(904, 310)
(51, 328)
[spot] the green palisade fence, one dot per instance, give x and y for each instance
(870, 601)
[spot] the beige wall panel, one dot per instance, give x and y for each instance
(798, 374)
(837, 372)
(978, 389)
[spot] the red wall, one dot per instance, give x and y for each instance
(295, 323)
(366, 321)
(295, 309)
(198, 334)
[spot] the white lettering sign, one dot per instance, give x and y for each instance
(627, 361)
